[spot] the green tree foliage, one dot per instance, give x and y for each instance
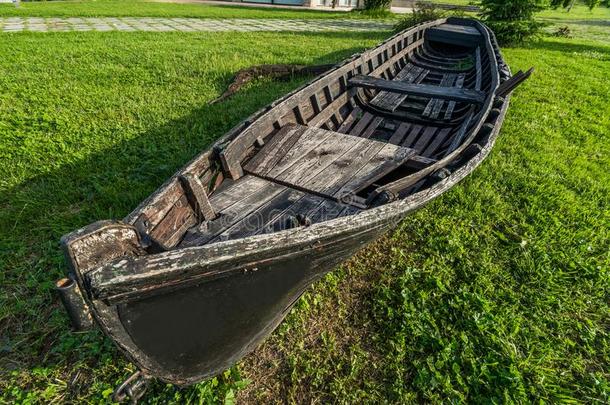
(512, 20)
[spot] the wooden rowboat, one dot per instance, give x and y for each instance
(212, 261)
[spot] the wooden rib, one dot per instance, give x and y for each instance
(424, 139)
(315, 103)
(195, 192)
(438, 140)
(478, 69)
(457, 138)
(275, 149)
(349, 120)
(400, 133)
(331, 108)
(362, 124)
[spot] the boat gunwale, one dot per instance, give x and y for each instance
(107, 314)
(308, 234)
(286, 239)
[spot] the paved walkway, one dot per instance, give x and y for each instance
(17, 24)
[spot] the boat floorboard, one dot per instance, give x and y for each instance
(252, 205)
(325, 163)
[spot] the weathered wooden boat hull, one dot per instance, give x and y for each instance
(185, 314)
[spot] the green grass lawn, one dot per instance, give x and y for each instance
(497, 292)
(140, 8)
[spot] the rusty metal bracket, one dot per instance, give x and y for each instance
(133, 388)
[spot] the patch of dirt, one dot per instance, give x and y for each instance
(277, 71)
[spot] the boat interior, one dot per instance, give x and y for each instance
(396, 122)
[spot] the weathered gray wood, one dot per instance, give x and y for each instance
(235, 191)
(451, 106)
(396, 186)
(438, 140)
(386, 100)
(342, 169)
(331, 108)
(195, 192)
(281, 143)
(356, 113)
(400, 133)
(318, 159)
(423, 90)
(412, 135)
(308, 141)
(178, 219)
(478, 69)
(236, 150)
(368, 132)
(424, 139)
(232, 214)
(434, 106)
(362, 124)
(461, 133)
(393, 100)
(323, 158)
(386, 160)
(305, 206)
(455, 34)
(419, 162)
(256, 219)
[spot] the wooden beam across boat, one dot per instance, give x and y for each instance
(422, 90)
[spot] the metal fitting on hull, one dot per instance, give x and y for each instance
(75, 305)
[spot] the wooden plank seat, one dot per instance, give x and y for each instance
(423, 90)
(462, 35)
(252, 205)
(325, 163)
(390, 101)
